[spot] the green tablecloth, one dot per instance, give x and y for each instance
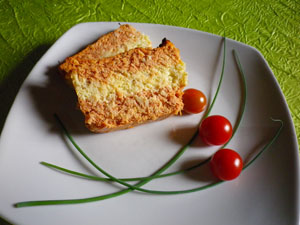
(28, 28)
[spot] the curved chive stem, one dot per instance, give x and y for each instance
(103, 197)
(90, 177)
(146, 180)
(219, 182)
(220, 82)
(244, 96)
(268, 145)
(89, 159)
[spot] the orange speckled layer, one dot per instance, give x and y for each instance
(132, 61)
(127, 112)
(120, 40)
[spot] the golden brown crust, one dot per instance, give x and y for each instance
(132, 61)
(120, 40)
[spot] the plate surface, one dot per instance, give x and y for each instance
(265, 193)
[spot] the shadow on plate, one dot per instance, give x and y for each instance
(10, 86)
(53, 97)
(201, 173)
(4, 222)
(182, 135)
(57, 97)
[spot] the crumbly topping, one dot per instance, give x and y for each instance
(132, 61)
(120, 40)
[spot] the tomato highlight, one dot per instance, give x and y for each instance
(215, 130)
(194, 101)
(226, 164)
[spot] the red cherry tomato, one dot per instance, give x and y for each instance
(226, 164)
(194, 101)
(215, 130)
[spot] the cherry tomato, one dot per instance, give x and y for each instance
(194, 101)
(215, 130)
(226, 164)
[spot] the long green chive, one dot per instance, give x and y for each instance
(220, 81)
(160, 171)
(103, 197)
(90, 177)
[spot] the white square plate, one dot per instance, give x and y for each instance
(265, 193)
